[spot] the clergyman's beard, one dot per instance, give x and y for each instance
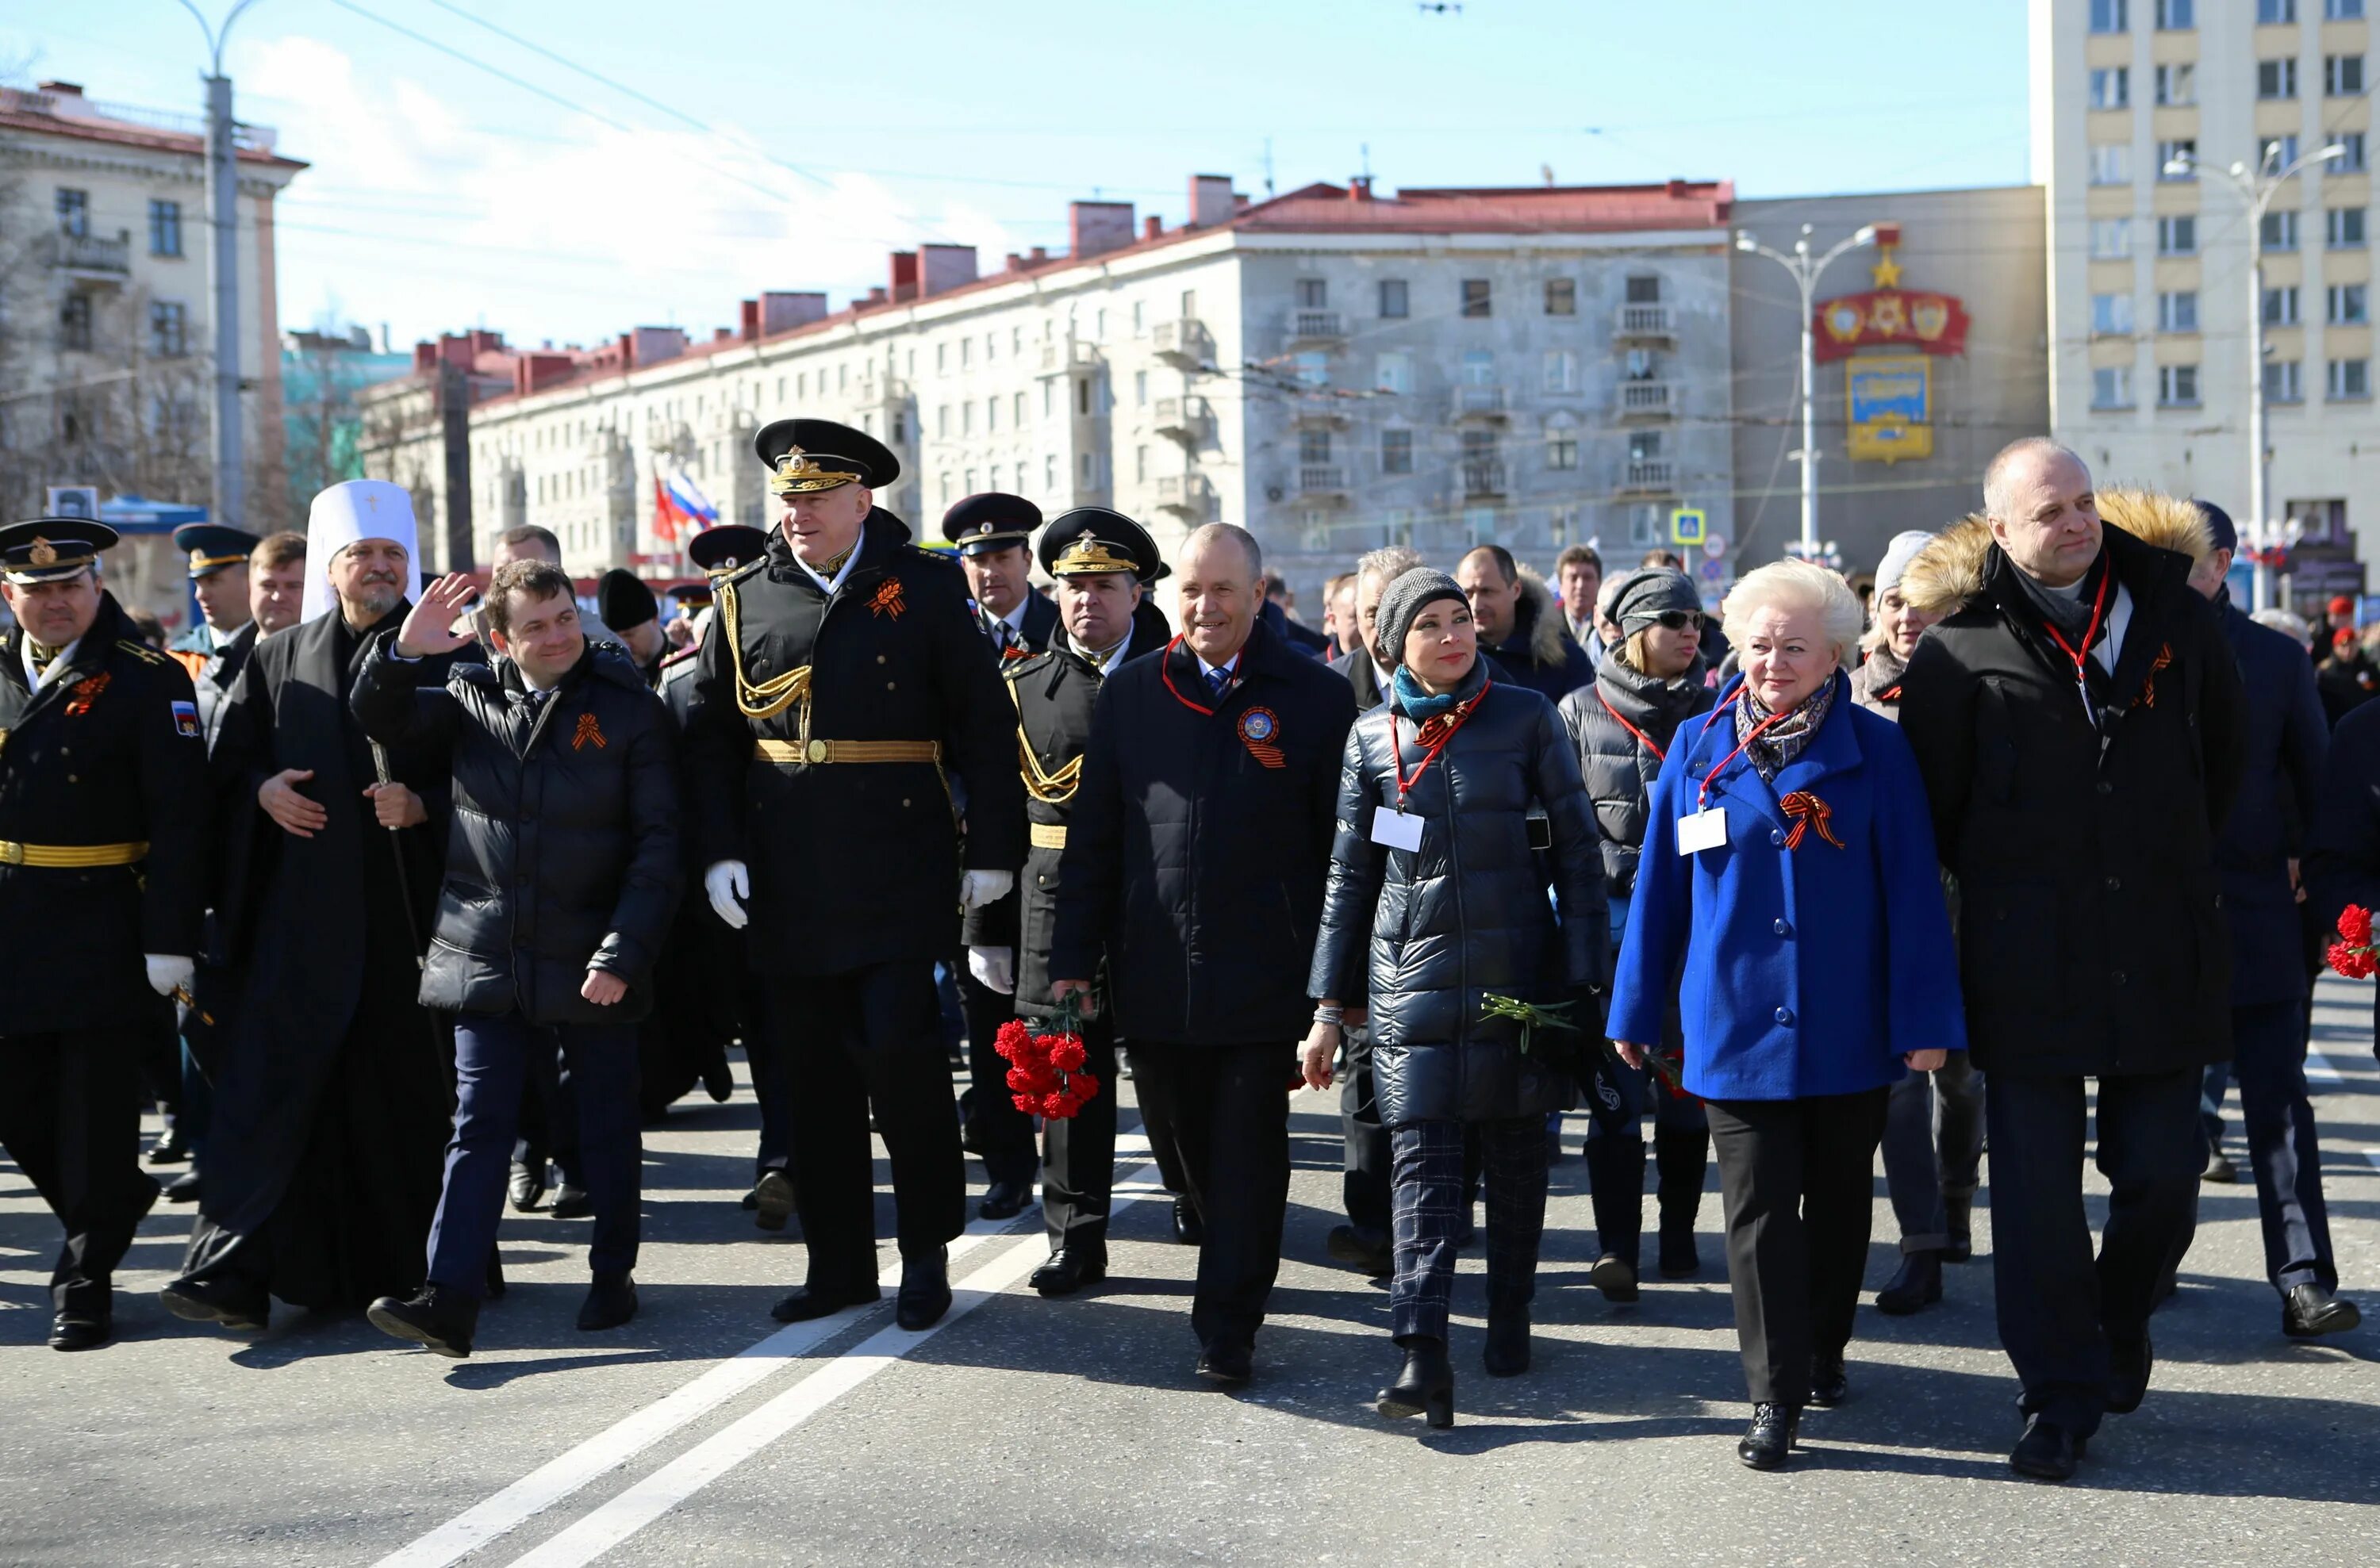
(371, 601)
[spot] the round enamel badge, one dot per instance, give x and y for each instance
(1258, 724)
(1260, 732)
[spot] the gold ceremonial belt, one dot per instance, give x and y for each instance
(1049, 835)
(794, 752)
(71, 857)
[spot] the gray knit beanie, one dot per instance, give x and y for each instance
(1401, 603)
(1897, 557)
(1645, 596)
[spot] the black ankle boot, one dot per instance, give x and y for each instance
(1507, 1352)
(1770, 1437)
(434, 1316)
(1680, 1160)
(1615, 1181)
(1961, 1214)
(1425, 1386)
(1917, 1286)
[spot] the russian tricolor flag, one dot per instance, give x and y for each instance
(678, 505)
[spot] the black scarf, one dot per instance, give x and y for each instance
(2072, 619)
(1654, 704)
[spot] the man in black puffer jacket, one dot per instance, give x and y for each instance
(562, 874)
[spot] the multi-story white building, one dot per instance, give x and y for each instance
(1333, 369)
(2150, 280)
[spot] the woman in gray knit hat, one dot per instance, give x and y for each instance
(1436, 919)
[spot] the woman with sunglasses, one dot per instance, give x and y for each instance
(1436, 904)
(1647, 684)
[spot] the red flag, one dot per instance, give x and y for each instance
(665, 516)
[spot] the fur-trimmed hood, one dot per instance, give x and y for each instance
(1541, 618)
(1950, 572)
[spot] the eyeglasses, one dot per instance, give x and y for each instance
(1682, 620)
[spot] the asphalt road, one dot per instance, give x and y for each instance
(1071, 1431)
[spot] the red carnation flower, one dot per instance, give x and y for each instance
(1012, 1037)
(2355, 924)
(1086, 1086)
(1026, 1104)
(1059, 1104)
(1067, 1054)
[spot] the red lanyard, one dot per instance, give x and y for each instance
(1702, 797)
(1642, 739)
(2090, 635)
(1165, 673)
(1455, 721)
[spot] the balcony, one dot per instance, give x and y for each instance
(1483, 477)
(1058, 356)
(1479, 403)
(1320, 481)
(1642, 324)
(1185, 344)
(88, 256)
(1648, 477)
(1645, 400)
(1303, 326)
(1188, 420)
(1186, 495)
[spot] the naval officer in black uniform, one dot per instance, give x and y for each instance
(844, 681)
(103, 812)
(1099, 559)
(214, 650)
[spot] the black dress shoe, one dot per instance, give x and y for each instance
(1681, 1259)
(1915, 1286)
(814, 1301)
(1829, 1384)
(771, 1200)
(432, 1316)
(1615, 1276)
(1068, 1270)
(925, 1292)
(1769, 1439)
(205, 1301)
(2219, 1168)
(1960, 1212)
(170, 1150)
(1506, 1353)
(1368, 1250)
(1005, 1199)
(526, 1189)
(184, 1189)
(611, 1301)
(78, 1328)
(571, 1203)
(2048, 1452)
(1189, 1228)
(1424, 1385)
(2128, 1379)
(2311, 1309)
(1228, 1365)
(719, 1080)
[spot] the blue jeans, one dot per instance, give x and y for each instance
(492, 1069)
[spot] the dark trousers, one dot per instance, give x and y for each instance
(1078, 1153)
(1225, 1108)
(494, 1063)
(548, 1122)
(845, 1041)
(1000, 1135)
(1933, 1149)
(1431, 1195)
(1794, 1178)
(2060, 1308)
(1363, 1187)
(2268, 1064)
(70, 1117)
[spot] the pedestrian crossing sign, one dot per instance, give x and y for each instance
(1687, 526)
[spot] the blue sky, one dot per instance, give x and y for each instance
(789, 145)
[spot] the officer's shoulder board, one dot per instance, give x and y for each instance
(140, 651)
(1016, 668)
(744, 573)
(916, 555)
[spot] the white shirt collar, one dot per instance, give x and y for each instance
(1227, 666)
(57, 665)
(845, 571)
(1114, 661)
(1015, 617)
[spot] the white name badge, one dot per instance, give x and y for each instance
(1396, 829)
(1702, 830)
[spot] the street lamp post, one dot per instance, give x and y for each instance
(1805, 271)
(229, 496)
(2257, 188)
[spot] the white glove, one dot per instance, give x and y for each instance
(978, 888)
(728, 885)
(994, 969)
(168, 972)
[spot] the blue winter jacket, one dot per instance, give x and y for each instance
(1806, 971)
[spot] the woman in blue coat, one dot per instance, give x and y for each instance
(1788, 876)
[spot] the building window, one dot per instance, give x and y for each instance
(2111, 387)
(2343, 228)
(74, 323)
(2111, 87)
(1562, 370)
(1312, 293)
(1314, 445)
(1479, 367)
(2278, 13)
(1393, 299)
(2346, 305)
(2280, 230)
(1562, 450)
(2275, 152)
(2283, 382)
(2111, 238)
(2177, 385)
(1048, 475)
(941, 358)
(1561, 297)
(168, 328)
(2337, 11)
(1016, 412)
(1643, 288)
(1392, 373)
(990, 416)
(2277, 79)
(1641, 364)
(1479, 524)
(2111, 163)
(2342, 76)
(1312, 369)
(1643, 446)
(1396, 452)
(2349, 378)
(2177, 235)
(1475, 296)
(1140, 389)
(2351, 158)
(1139, 467)
(74, 213)
(967, 419)
(1082, 397)
(2178, 160)
(2175, 16)
(2109, 16)
(2177, 86)
(2178, 312)
(2281, 306)
(165, 228)
(2111, 313)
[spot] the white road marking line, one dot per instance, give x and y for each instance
(2372, 1156)
(2319, 1070)
(650, 1498)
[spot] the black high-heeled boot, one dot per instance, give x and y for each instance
(1615, 1177)
(1424, 1385)
(1770, 1437)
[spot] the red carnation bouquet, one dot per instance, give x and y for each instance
(1045, 1071)
(2352, 955)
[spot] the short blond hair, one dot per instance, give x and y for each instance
(1805, 585)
